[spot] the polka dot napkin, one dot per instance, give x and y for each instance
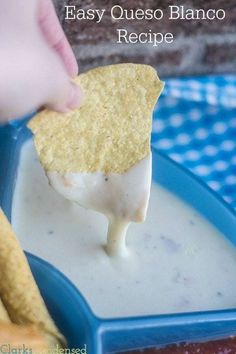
(195, 124)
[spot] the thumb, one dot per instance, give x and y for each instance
(60, 93)
(69, 98)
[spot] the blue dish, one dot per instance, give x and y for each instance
(68, 307)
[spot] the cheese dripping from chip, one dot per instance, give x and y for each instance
(99, 154)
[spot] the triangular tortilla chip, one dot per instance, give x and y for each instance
(18, 290)
(110, 132)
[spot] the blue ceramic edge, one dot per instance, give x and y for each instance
(70, 306)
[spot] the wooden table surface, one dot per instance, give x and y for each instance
(227, 346)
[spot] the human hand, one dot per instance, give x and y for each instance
(36, 60)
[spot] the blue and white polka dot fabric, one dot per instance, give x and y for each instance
(195, 124)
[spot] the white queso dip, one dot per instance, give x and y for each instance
(177, 261)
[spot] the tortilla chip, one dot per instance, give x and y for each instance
(3, 313)
(18, 290)
(110, 132)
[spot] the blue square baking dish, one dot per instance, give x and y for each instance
(68, 307)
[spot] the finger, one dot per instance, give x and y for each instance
(54, 35)
(74, 99)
